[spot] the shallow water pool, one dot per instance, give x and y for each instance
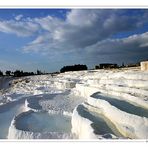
(44, 122)
(6, 116)
(122, 104)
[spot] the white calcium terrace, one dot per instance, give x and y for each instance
(89, 123)
(41, 125)
(129, 125)
(87, 90)
(93, 104)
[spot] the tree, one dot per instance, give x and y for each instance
(97, 67)
(122, 64)
(39, 72)
(73, 68)
(1, 73)
(8, 72)
(18, 73)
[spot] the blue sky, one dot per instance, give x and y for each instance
(48, 39)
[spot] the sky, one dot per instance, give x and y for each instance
(48, 39)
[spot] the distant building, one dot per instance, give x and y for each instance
(144, 65)
(133, 65)
(106, 65)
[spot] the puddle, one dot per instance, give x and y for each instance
(101, 125)
(44, 122)
(34, 100)
(6, 117)
(122, 105)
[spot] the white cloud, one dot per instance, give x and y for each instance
(19, 17)
(84, 32)
(83, 28)
(49, 23)
(132, 48)
(20, 28)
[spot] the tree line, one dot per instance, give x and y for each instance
(73, 68)
(20, 73)
(78, 67)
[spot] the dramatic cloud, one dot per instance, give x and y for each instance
(127, 49)
(20, 28)
(88, 34)
(83, 28)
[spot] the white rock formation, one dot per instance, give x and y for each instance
(129, 125)
(65, 92)
(15, 133)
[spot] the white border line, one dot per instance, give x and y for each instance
(75, 3)
(85, 6)
(75, 6)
